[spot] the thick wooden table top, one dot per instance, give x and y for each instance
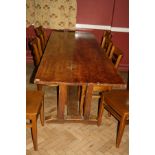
(75, 58)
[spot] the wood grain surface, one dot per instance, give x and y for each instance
(75, 58)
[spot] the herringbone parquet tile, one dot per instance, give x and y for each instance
(74, 138)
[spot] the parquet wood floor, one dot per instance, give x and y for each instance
(74, 138)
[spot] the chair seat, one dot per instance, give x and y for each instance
(117, 104)
(34, 107)
(33, 101)
(118, 100)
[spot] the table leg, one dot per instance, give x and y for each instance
(39, 87)
(62, 99)
(88, 99)
(100, 110)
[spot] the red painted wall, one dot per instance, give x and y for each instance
(97, 12)
(100, 12)
(121, 14)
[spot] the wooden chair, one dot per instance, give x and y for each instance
(39, 30)
(106, 38)
(115, 55)
(37, 55)
(36, 50)
(34, 107)
(117, 103)
(108, 33)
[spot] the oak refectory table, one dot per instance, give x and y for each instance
(74, 58)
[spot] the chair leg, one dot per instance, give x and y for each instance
(120, 131)
(42, 113)
(34, 133)
(100, 111)
(79, 92)
(82, 98)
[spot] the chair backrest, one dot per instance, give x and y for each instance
(39, 46)
(41, 37)
(39, 30)
(110, 44)
(105, 43)
(36, 49)
(107, 36)
(115, 56)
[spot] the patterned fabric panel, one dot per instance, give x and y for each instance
(54, 14)
(30, 12)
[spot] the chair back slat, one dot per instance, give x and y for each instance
(115, 55)
(107, 37)
(109, 48)
(39, 47)
(39, 30)
(36, 51)
(42, 41)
